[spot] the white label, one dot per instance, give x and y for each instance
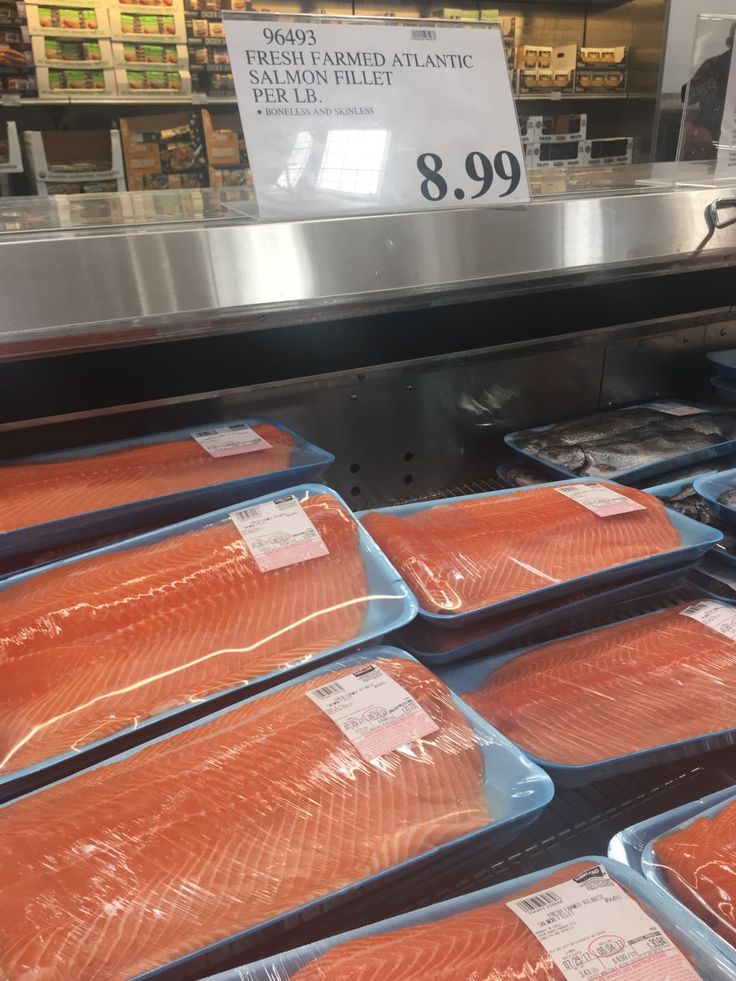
(718, 617)
(674, 409)
(279, 533)
(373, 711)
(230, 440)
(599, 499)
(592, 929)
(359, 116)
(726, 163)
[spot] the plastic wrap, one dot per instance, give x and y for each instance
(52, 500)
(630, 444)
(648, 690)
(465, 557)
(694, 838)
(192, 848)
(121, 638)
(434, 644)
(719, 490)
(682, 495)
(478, 936)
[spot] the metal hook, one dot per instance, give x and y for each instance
(712, 213)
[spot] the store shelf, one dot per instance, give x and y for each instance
(194, 278)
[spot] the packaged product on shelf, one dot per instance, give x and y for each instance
(613, 150)
(226, 151)
(11, 158)
(142, 81)
(164, 151)
(64, 82)
(543, 698)
(608, 912)
(208, 54)
(568, 153)
(71, 159)
(24, 86)
(88, 187)
(602, 57)
(467, 557)
(456, 13)
(558, 76)
(63, 52)
(165, 25)
(130, 54)
(282, 805)
(533, 56)
(272, 609)
(630, 443)
(603, 80)
(87, 21)
(563, 127)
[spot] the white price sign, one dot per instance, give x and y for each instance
(375, 115)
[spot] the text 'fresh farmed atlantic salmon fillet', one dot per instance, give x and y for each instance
(36, 492)
(486, 943)
(222, 826)
(473, 552)
(632, 686)
(699, 865)
(93, 647)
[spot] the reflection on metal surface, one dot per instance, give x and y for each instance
(150, 281)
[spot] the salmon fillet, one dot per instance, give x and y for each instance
(488, 943)
(221, 827)
(33, 493)
(628, 687)
(699, 863)
(474, 552)
(93, 647)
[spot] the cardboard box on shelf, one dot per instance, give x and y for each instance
(214, 81)
(166, 25)
(145, 81)
(66, 83)
(204, 8)
(61, 21)
(571, 153)
(209, 52)
(140, 54)
(556, 129)
(604, 80)
(559, 77)
(603, 57)
(224, 140)
(63, 52)
(164, 151)
(533, 56)
(71, 162)
(611, 150)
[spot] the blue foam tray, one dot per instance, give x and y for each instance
(681, 927)
(635, 473)
(634, 846)
(665, 491)
(711, 486)
(725, 362)
(725, 389)
(696, 539)
(382, 617)
(467, 676)
(307, 464)
(416, 636)
(515, 789)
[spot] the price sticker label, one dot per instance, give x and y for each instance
(675, 409)
(717, 616)
(601, 500)
(592, 929)
(374, 115)
(279, 533)
(373, 711)
(230, 440)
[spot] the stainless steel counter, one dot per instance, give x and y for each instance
(197, 266)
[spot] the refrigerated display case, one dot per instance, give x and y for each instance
(408, 345)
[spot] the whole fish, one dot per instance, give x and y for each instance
(614, 456)
(728, 498)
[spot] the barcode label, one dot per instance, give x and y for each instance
(373, 711)
(542, 899)
(279, 533)
(327, 690)
(600, 499)
(230, 440)
(716, 616)
(424, 35)
(592, 930)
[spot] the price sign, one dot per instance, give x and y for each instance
(375, 115)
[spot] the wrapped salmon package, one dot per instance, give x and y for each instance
(587, 919)
(651, 689)
(76, 495)
(363, 779)
(142, 634)
(690, 854)
(467, 557)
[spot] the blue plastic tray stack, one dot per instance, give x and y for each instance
(724, 380)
